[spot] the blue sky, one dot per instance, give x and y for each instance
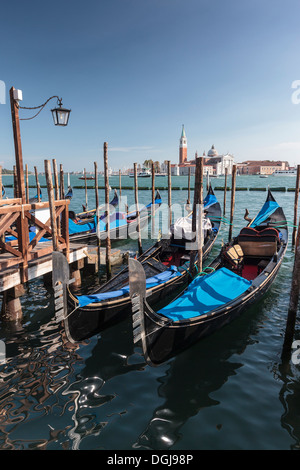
(134, 71)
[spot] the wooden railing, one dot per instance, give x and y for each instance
(16, 219)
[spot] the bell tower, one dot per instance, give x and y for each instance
(182, 147)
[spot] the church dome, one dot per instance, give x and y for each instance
(212, 152)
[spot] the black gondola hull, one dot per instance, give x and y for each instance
(84, 322)
(164, 341)
(90, 320)
(163, 338)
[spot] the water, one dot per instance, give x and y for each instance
(229, 391)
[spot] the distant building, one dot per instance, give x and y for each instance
(214, 164)
(182, 148)
(261, 167)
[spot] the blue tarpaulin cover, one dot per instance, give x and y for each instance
(267, 209)
(31, 237)
(205, 293)
(116, 220)
(153, 281)
(156, 201)
(79, 228)
(209, 200)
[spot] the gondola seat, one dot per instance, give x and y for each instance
(234, 257)
(258, 244)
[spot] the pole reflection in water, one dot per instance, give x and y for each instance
(50, 388)
(112, 356)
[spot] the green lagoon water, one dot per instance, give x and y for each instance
(229, 391)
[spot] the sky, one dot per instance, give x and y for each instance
(134, 71)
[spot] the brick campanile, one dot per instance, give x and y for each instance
(182, 147)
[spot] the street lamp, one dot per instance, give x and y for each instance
(60, 114)
(60, 117)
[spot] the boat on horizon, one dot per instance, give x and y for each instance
(142, 174)
(290, 172)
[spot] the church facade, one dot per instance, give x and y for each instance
(214, 164)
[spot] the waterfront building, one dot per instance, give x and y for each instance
(214, 164)
(261, 167)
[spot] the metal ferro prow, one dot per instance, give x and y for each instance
(60, 281)
(137, 289)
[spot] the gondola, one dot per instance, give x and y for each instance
(3, 191)
(35, 198)
(166, 266)
(123, 225)
(87, 215)
(69, 193)
(239, 276)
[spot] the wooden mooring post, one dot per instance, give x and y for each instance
(153, 201)
(107, 215)
(16, 191)
(200, 215)
(138, 228)
(61, 182)
(11, 310)
(233, 185)
(194, 215)
(55, 175)
(225, 191)
(169, 194)
(189, 188)
(27, 183)
(294, 235)
(56, 185)
(97, 217)
(120, 184)
(293, 304)
(51, 204)
(38, 187)
(85, 188)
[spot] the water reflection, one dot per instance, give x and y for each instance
(112, 355)
(52, 388)
(190, 380)
(289, 396)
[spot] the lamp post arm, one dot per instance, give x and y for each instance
(40, 107)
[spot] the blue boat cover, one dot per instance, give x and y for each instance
(209, 200)
(153, 281)
(267, 209)
(206, 293)
(79, 228)
(157, 201)
(116, 220)
(10, 238)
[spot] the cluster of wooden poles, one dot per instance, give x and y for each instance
(198, 202)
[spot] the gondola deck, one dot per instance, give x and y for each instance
(166, 268)
(238, 277)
